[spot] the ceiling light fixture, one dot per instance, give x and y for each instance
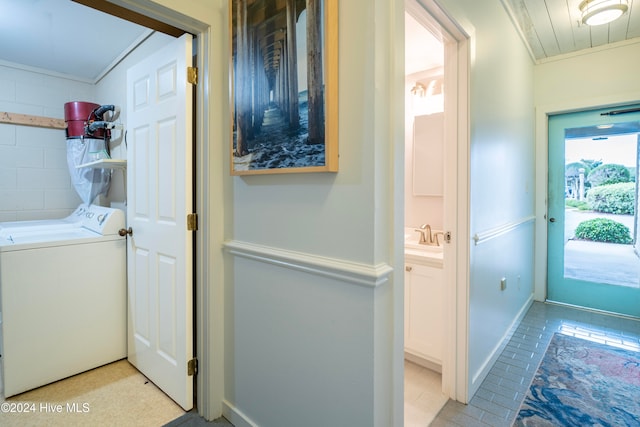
(599, 12)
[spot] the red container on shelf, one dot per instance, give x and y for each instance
(77, 115)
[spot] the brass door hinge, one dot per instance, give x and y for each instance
(192, 75)
(192, 367)
(192, 222)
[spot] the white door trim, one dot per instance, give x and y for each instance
(209, 197)
(455, 381)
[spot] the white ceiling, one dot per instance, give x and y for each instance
(64, 37)
(553, 27)
(422, 50)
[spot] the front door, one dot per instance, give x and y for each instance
(159, 194)
(592, 213)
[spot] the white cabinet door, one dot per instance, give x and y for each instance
(159, 193)
(424, 312)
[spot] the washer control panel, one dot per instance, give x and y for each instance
(99, 219)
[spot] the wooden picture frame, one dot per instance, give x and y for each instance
(272, 132)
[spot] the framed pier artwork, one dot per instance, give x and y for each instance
(284, 86)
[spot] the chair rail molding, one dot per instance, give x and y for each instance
(350, 272)
(484, 236)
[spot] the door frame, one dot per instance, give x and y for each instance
(579, 292)
(209, 184)
(542, 164)
(455, 381)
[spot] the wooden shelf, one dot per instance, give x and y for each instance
(30, 120)
(105, 164)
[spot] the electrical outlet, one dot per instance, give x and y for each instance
(503, 283)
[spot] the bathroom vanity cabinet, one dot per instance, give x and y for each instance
(424, 300)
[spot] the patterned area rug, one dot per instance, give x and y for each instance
(582, 383)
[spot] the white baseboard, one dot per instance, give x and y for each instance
(235, 416)
(425, 363)
(497, 350)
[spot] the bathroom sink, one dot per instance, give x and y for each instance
(414, 245)
(413, 248)
(429, 255)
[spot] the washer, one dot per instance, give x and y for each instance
(62, 296)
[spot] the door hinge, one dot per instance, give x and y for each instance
(192, 222)
(192, 75)
(447, 237)
(192, 367)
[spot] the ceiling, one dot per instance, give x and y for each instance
(422, 50)
(553, 27)
(71, 39)
(64, 37)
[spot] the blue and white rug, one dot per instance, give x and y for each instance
(582, 383)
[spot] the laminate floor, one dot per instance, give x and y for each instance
(116, 394)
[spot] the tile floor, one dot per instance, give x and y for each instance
(497, 400)
(192, 419)
(423, 396)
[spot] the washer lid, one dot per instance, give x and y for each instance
(38, 225)
(41, 236)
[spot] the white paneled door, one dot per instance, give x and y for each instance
(159, 194)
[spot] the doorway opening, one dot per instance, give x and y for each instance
(593, 202)
(197, 176)
(424, 216)
(454, 199)
(208, 340)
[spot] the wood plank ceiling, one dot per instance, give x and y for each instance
(553, 27)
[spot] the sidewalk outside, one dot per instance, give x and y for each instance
(609, 263)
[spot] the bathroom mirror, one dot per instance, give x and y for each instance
(428, 149)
